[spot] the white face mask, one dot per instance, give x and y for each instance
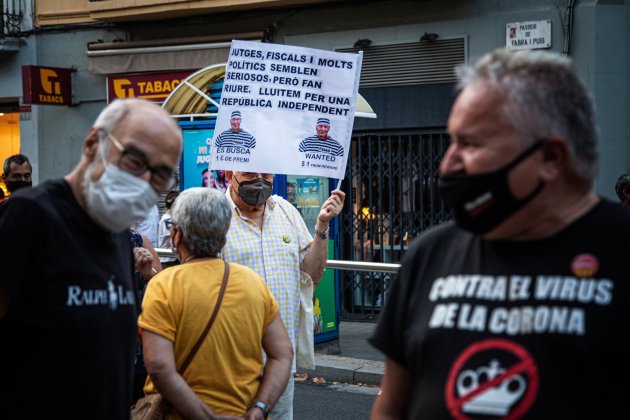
(118, 199)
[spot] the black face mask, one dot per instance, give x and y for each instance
(13, 186)
(254, 192)
(481, 202)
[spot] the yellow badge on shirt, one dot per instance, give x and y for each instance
(286, 239)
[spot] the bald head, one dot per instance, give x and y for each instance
(134, 135)
(145, 122)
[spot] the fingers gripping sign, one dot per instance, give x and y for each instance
(315, 260)
(332, 206)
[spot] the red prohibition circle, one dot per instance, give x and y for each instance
(526, 364)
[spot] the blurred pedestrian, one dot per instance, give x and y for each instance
(147, 264)
(68, 314)
(149, 225)
(513, 310)
(622, 187)
(164, 230)
(17, 173)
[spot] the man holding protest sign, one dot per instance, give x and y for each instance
(268, 235)
(322, 142)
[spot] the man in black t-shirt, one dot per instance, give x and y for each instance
(68, 309)
(516, 309)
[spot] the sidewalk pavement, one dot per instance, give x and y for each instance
(350, 359)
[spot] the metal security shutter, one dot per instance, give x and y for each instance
(391, 188)
(411, 63)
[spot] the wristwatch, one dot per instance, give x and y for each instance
(324, 234)
(265, 409)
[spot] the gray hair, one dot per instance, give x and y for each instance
(203, 215)
(543, 96)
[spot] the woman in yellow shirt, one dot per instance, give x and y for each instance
(224, 378)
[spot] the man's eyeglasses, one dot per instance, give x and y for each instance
(136, 164)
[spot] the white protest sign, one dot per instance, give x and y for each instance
(286, 109)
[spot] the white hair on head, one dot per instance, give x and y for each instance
(204, 216)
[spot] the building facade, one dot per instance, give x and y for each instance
(409, 47)
(65, 33)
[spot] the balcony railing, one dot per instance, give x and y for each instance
(12, 15)
(362, 293)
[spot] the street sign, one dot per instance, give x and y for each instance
(528, 35)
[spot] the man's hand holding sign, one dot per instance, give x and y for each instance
(315, 261)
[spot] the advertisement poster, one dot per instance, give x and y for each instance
(308, 192)
(196, 157)
(286, 109)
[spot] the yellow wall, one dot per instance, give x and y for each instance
(55, 12)
(61, 12)
(9, 137)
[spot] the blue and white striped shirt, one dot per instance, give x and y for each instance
(239, 139)
(314, 144)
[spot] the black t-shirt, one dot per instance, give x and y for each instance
(67, 342)
(536, 329)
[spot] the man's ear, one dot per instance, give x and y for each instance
(228, 175)
(91, 142)
(555, 152)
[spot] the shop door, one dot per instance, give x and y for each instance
(9, 138)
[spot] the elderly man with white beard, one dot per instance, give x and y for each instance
(68, 308)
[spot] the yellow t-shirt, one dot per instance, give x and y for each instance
(225, 372)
